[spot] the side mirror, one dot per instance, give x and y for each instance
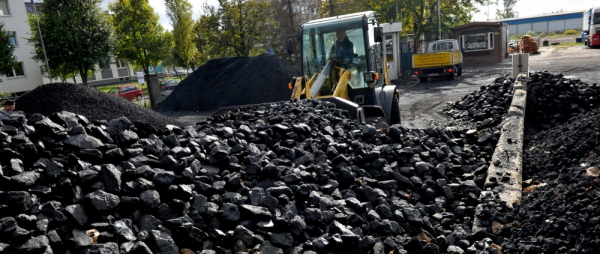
(378, 32)
(289, 47)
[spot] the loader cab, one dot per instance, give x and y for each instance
(362, 29)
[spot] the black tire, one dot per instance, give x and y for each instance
(395, 115)
(422, 80)
(459, 73)
(378, 122)
(452, 74)
(138, 97)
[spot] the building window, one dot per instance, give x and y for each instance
(120, 63)
(4, 8)
(13, 38)
(475, 42)
(18, 71)
(29, 8)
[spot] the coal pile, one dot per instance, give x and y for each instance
(553, 99)
(486, 107)
(293, 177)
(560, 208)
(90, 103)
(232, 81)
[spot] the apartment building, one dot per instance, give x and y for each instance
(28, 74)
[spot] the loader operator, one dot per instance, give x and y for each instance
(343, 49)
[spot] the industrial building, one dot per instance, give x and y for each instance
(554, 22)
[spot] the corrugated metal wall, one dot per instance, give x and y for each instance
(551, 23)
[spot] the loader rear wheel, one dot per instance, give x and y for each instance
(395, 115)
(378, 122)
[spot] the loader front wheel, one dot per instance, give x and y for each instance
(395, 115)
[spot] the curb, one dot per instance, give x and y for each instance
(504, 176)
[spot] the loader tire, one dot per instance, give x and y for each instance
(395, 115)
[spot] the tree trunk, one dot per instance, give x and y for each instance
(331, 13)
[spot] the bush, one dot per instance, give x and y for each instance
(571, 32)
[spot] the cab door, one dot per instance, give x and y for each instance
(390, 51)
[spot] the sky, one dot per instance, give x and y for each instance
(525, 8)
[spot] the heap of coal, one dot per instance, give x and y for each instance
(91, 103)
(232, 81)
(487, 107)
(295, 176)
(560, 211)
(553, 99)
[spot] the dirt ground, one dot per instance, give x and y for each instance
(421, 104)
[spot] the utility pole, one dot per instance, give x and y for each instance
(439, 22)
(41, 39)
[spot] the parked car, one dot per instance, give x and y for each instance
(165, 93)
(128, 92)
(168, 83)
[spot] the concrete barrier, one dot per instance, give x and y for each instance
(504, 175)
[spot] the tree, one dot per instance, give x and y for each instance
(235, 28)
(420, 16)
(140, 37)
(508, 11)
(77, 36)
(180, 13)
(7, 59)
(62, 70)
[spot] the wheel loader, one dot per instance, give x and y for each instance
(358, 83)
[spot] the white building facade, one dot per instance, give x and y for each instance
(28, 75)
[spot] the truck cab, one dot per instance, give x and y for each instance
(592, 39)
(443, 46)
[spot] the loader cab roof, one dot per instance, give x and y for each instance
(358, 15)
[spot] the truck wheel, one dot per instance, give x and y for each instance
(459, 73)
(423, 80)
(452, 74)
(395, 115)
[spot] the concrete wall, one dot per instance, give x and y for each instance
(17, 21)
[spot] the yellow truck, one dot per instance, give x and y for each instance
(442, 58)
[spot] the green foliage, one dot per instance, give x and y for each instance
(235, 28)
(76, 35)
(420, 16)
(571, 32)
(7, 59)
(180, 13)
(140, 38)
(508, 11)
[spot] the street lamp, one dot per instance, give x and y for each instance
(42, 39)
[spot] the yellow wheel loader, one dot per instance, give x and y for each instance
(357, 81)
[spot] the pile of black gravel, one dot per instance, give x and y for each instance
(293, 177)
(486, 107)
(553, 99)
(91, 103)
(232, 81)
(560, 211)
